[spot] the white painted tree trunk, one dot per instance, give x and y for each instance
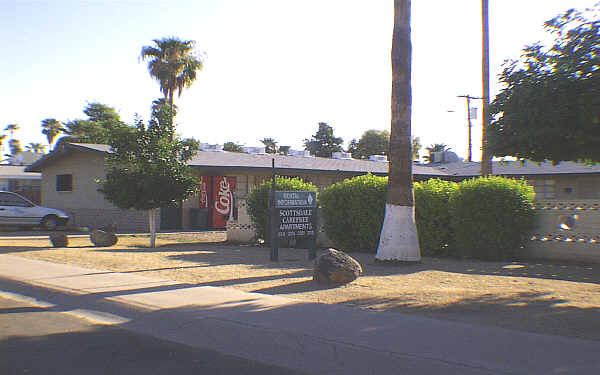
(398, 239)
(152, 224)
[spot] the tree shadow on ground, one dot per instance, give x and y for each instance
(566, 271)
(216, 254)
(526, 311)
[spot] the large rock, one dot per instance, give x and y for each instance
(336, 267)
(101, 238)
(59, 239)
(110, 228)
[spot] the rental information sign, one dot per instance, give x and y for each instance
(296, 213)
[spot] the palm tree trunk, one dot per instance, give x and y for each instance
(171, 91)
(398, 239)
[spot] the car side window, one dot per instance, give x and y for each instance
(13, 200)
(3, 199)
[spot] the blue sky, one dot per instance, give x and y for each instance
(273, 68)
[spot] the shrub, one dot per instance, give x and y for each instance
(491, 217)
(353, 211)
(432, 216)
(258, 201)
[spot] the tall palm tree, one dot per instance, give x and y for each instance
(171, 61)
(12, 128)
(2, 138)
(37, 148)
(398, 240)
(270, 145)
(14, 145)
(51, 127)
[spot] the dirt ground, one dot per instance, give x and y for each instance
(551, 298)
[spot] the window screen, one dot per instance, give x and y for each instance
(64, 182)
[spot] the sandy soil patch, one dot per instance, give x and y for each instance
(551, 298)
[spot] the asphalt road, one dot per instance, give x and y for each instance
(43, 340)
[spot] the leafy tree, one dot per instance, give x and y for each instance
(171, 61)
(353, 148)
(51, 127)
(398, 240)
(232, 147)
(101, 121)
(37, 148)
(270, 145)
(436, 147)
(323, 143)
(416, 147)
(148, 167)
(372, 142)
(549, 108)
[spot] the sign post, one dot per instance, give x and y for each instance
(295, 217)
(273, 218)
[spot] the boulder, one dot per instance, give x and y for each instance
(110, 228)
(336, 267)
(59, 239)
(101, 238)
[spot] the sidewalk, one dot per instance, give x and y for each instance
(315, 338)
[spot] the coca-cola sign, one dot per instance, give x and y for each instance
(223, 200)
(204, 181)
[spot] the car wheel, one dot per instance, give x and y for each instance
(50, 222)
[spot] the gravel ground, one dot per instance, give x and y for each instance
(552, 298)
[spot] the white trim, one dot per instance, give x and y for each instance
(399, 239)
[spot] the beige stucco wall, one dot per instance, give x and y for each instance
(571, 186)
(579, 242)
(85, 168)
(85, 204)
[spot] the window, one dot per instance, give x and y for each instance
(64, 182)
(8, 199)
(544, 189)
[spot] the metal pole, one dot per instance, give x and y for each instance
(469, 122)
(469, 97)
(273, 218)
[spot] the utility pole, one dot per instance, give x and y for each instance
(468, 97)
(486, 160)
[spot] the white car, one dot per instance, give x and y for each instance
(16, 210)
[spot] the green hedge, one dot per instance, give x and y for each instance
(258, 201)
(485, 218)
(432, 216)
(491, 217)
(353, 211)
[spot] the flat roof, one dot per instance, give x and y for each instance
(224, 160)
(17, 172)
(237, 160)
